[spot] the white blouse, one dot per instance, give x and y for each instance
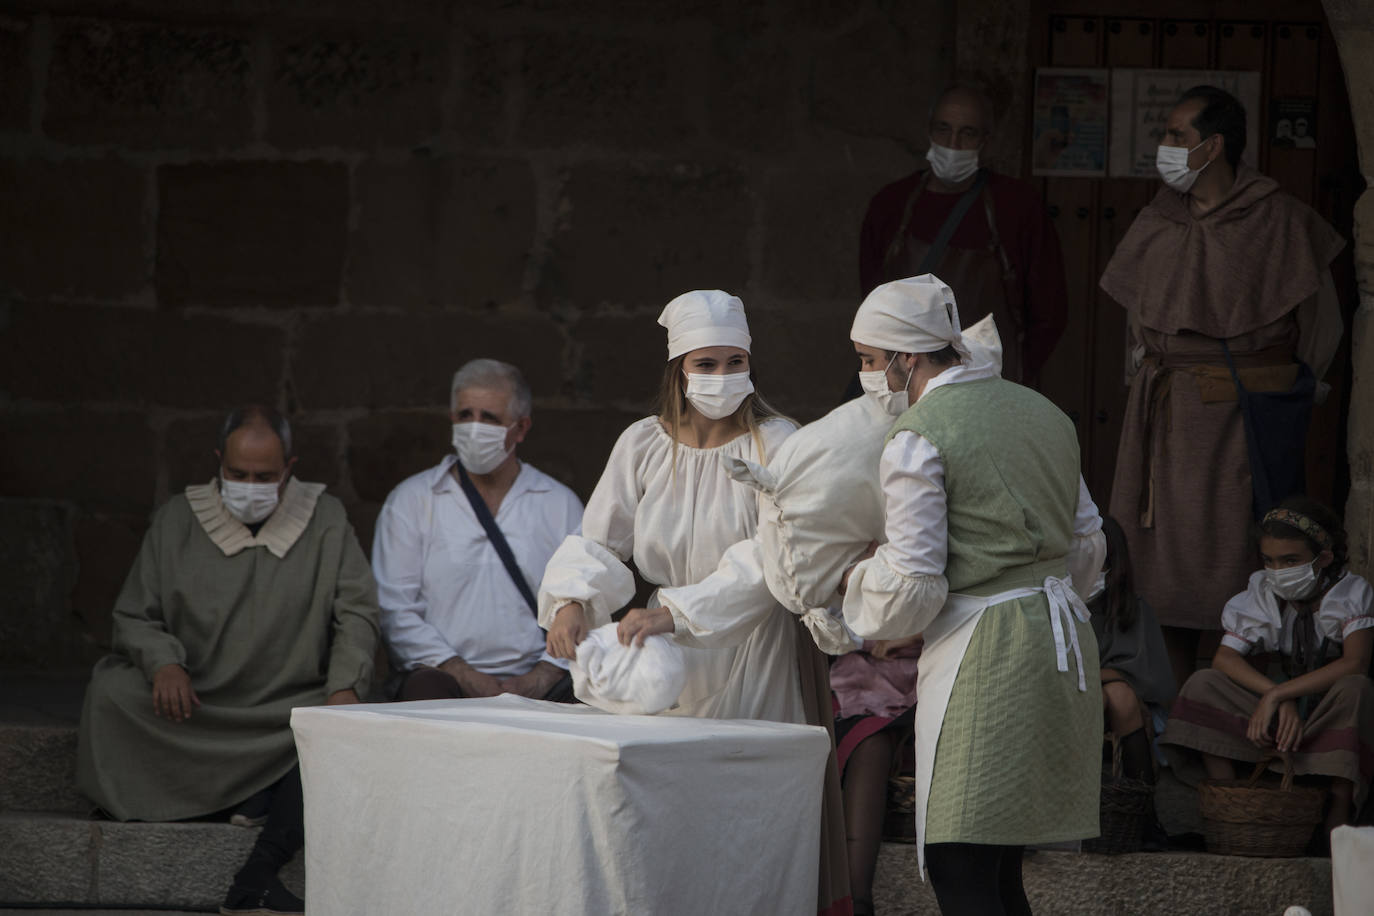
(1256, 620)
(674, 511)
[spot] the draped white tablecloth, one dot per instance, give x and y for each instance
(517, 806)
(1352, 870)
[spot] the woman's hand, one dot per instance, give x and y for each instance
(868, 552)
(1288, 733)
(1258, 729)
(568, 630)
(641, 623)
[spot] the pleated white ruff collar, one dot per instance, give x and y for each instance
(278, 534)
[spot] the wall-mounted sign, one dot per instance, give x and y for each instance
(1142, 100)
(1293, 123)
(1070, 123)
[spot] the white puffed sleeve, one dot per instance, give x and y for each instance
(1252, 621)
(1088, 551)
(899, 590)
(590, 568)
(725, 607)
(1346, 608)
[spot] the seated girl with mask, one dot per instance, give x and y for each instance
(1318, 617)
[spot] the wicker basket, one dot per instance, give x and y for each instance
(899, 824)
(1124, 810)
(1243, 817)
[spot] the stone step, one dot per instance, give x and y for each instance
(59, 860)
(39, 767)
(1140, 884)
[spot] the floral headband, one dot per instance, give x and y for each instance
(1301, 522)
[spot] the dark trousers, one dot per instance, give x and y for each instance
(433, 684)
(281, 837)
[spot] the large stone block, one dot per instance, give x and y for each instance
(37, 567)
(386, 448)
(614, 91)
(754, 94)
(101, 461)
(39, 763)
(441, 232)
(408, 361)
(149, 85)
(365, 88)
(182, 865)
(878, 79)
(76, 354)
(811, 234)
(251, 233)
(803, 362)
(188, 450)
(572, 445)
(16, 83)
(105, 550)
(621, 359)
(1069, 884)
(641, 235)
(487, 65)
(73, 228)
(46, 859)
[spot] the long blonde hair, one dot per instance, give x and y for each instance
(751, 414)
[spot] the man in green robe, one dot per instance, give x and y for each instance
(250, 596)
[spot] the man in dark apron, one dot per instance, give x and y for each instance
(987, 235)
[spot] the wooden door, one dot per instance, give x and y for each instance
(1290, 45)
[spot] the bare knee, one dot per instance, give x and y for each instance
(1122, 706)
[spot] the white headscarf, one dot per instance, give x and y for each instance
(705, 318)
(915, 315)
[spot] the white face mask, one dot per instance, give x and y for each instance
(1293, 583)
(1172, 164)
(874, 383)
(718, 396)
(250, 503)
(952, 166)
(481, 447)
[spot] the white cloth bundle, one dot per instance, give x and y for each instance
(628, 680)
(821, 502)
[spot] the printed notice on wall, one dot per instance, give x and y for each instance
(1142, 100)
(1070, 128)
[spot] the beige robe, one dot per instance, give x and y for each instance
(1253, 272)
(262, 624)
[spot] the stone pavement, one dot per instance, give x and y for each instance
(53, 855)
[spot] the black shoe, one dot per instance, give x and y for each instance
(272, 900)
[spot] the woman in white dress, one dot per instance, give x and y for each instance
(665, 504)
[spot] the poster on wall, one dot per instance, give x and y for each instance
(1142, 100)
(1293, 123)
(1070, 123)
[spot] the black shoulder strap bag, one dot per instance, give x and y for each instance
(498, 540)
(1275, 436)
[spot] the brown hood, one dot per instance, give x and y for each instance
(1246, 263)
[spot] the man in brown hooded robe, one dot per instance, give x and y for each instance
(1221, 258)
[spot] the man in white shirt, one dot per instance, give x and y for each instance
(456, 620)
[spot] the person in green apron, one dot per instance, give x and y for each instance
(988, 523)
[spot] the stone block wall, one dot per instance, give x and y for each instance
(329, 206)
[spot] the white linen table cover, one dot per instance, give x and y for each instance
(511, 805)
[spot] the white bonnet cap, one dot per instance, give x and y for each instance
(984, 343)
(704, 318)
(915, 315)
